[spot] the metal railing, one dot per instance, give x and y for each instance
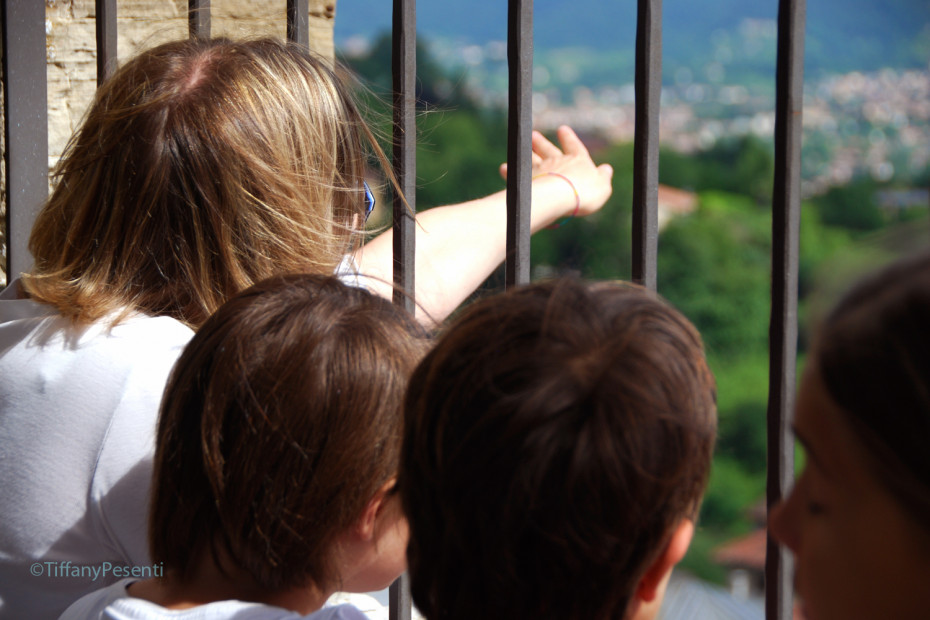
(26, 133)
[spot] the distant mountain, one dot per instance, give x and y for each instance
(842, 35)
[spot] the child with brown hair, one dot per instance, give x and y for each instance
(557, 444)
(276, 458)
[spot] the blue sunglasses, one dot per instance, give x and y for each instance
(369, 200)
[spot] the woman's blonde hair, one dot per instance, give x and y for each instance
(201, 168)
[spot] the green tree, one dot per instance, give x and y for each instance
(714, 266)
(435, 86)
(458, 156)
(740, 165)
(851, 206)
(730, 492)
(459, 145)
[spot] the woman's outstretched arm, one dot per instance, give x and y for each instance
(458, 246)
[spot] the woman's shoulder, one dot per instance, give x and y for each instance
(40, 325)
(161, 331)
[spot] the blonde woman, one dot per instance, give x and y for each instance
(201, 168)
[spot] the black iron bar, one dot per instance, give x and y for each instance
(25, 127)
(105, 26)
(298, 22)
(404, 151)
(404, 72)
(783, 328)
(401, 607)
(519, 141)
(198, 19)
(648, 84)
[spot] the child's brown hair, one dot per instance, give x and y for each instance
(554, 438)
(280, 421)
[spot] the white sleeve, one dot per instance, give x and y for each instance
(347, 272)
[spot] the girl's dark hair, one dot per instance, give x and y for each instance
(873, 353)
(553, 438)
(280, 421)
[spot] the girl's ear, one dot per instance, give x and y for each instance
(650, 585)
(372, 551)
(367, 525)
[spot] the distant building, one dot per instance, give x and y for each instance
(744, 559)
(898, 199)
(687, 598)
(673, 203)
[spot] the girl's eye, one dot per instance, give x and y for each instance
(813, 505)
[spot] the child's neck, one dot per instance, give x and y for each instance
(209, 585)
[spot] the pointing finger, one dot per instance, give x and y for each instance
(570, 141)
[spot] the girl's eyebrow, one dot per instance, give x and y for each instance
(810, 453)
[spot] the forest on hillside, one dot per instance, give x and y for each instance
(713, 264)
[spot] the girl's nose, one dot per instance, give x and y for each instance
(783, 522)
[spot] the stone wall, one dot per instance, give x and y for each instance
(72, 60)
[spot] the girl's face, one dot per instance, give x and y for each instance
(390, 547)
(858, 553)
(378, 557)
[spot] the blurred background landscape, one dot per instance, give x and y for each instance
(865, 168)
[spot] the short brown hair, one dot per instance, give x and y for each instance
(202, 167)
(280, 421)
(873, 353)
(553, 438)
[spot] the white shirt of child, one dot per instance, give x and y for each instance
(115, 603)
